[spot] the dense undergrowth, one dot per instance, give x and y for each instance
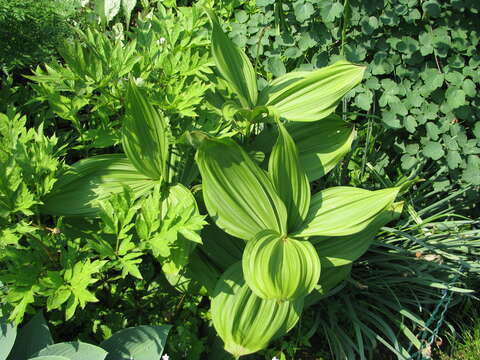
(416, 126)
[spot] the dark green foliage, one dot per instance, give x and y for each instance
(31, 30)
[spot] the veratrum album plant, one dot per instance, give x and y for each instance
(271, 246)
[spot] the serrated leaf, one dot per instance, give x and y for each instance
(31, 338)
(93, 179)
(139, 343)
(74, 351)
(279, 267)
(342, 210)
(145, 135)
(238, 194)
(289, 178)
(245, 322)
(433, 150)
(311, 96)
(234, 65)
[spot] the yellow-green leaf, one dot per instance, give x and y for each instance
(238, 194)
(91, 179)
(245, 322)
(289, 178)
(321, 144)
(311, 96)
(234, 65)
(279, 267)
(343, 210)
(145, 135)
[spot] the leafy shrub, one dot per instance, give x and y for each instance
(31, 30)
(420, 94)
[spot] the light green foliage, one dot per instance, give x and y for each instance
(74, 351)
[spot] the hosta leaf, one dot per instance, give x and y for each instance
(238, 195)
(145, 135)
(49, 357)
(74, 351)
(8, 333)
(92, 179)
(281, 268)
(344, 210)
(311, 96)
(234, 65)
(322, 144)
(289, 178)
(139, 343)
(31, 338)
(343, 250)
(245, 322)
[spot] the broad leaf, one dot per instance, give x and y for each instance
(50, 357)
(289, 178)
(311, 96)
(107, 9)
(280, 268)
(343, 250)
(8, 333)
(222, 249)
(321, 144)
(234, 65)
(238, 195)
(74, 351)
(31, 338)
(127, 8)
(91, 179)
(342, 210)
(139, 343)
(145, 135)
(245, 322)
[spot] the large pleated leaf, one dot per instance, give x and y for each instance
(281, 268)
(343, 250)
(74, 351)
(144, 135)
(245, 322)
(139, 343)
(234, 65)
(239, 196)
(343, 210)
(289, 178)
(91, 179)
(321, 144)
(311, 96)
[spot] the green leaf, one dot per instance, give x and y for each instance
(343, 210)
(139, 343)
(433, 150)
(8, 333)
(74, 351)
(456, 98)
(238, 194)
(50, 357)
(279, 267)
(145, 135)
(343, 250)
(107, 9)
(322, 144)
(127, 7)
(303, 11)
(245, 322)
(311, 96)
(234, 65)
(289, 178)
(93, 179)
(31, 338)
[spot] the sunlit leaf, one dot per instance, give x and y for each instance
(238, 194)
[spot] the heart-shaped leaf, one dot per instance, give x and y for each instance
(91, 179)
(281, 268)
(245, 322)
(238, 194)
(343, 210)
(289, 178)
(311, 96)
(234, 65)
